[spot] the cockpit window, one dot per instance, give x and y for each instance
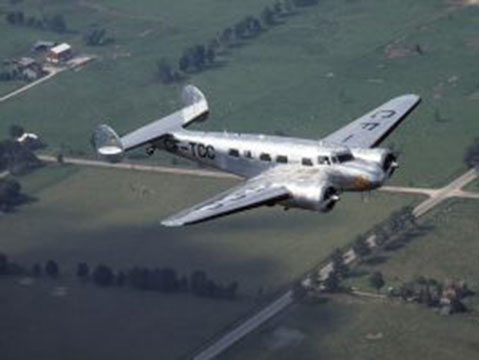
(265, 157)
(234, 152)
(345, 157)
(282, 159)
(307, 162)
(323, 160)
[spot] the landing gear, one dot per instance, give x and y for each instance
(150, 150)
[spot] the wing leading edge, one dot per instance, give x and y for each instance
(249, 195)
(371, 129)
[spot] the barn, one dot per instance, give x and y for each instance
(60, 53)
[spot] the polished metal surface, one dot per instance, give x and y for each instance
(290, 172)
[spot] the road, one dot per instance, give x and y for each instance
(210, 351)
(140, 167)
(52, 73)
(286, 299)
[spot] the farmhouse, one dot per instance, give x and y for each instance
(59, 53)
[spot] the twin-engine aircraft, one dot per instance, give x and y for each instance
(291, 172)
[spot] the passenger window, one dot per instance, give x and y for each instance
(247, 154)
(282, 159)
(334, 159)
(234, 153)
(306, 162)
(265, 157)
(323, 160)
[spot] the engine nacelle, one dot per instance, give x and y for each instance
(314, 197)
(385, 158)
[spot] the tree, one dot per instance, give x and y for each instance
(37, 270)
(52, 269)
(267, 16)
(339, 265)
(210, 54)
(331, 283)
(15, 131)
(3, 264)
(198, 56)
(184, 63)
(83, 270)
(9, 193)
(381, 235)
(278, 8)
(170, 280)
(166, 72)
(471, 157)
(231, 289)
(376, 280)
(198, 283)
(360, 246)
(120, 279)
(103, 275)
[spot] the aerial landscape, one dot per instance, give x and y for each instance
(87, 270)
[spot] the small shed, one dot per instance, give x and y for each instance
(60, 53)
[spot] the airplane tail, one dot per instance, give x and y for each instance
(109, 144)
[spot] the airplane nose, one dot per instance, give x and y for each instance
(377, 177)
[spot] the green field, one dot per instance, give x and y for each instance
(345, 39)
(448, 252)
(320, 69)
(354, 329)
(339, 329)
(114, 217)
(90, 212)
(472, 186)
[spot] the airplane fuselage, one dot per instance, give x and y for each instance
(320, 171)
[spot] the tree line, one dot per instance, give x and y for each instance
(391, 234)
(18, 158)
(200, 57)
(55, 23)
(164, 280)
(471, 156)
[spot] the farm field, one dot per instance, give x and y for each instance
(368, 328)
(448, 252)
(352, 328)
(306, 77)
(90, 212)
(337, 60)
(112, 217)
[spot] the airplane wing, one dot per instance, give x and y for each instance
(251, 194)
(371, 129)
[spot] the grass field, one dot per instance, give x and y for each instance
(472, 186)
(339, 329)
(307, 77)
(448, 252)
(113, 217)
(90, 212)
(351, 328)
(344, 39)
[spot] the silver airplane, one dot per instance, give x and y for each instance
(292, 172)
